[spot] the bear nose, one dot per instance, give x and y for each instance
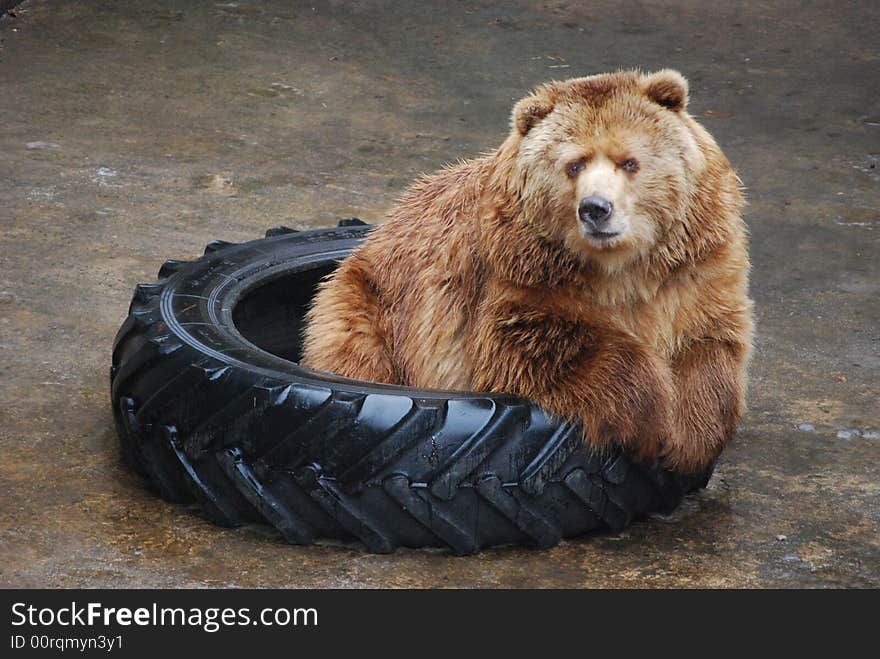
(595, 210)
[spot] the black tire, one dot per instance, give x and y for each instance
(206, 415)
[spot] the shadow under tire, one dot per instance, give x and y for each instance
(211, 407)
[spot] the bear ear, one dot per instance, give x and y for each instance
(530, 111)
(667, 88)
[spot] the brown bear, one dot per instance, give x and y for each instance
(596, 263)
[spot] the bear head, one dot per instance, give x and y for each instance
(610, 167)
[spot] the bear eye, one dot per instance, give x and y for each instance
(630, 165)
(574, 168)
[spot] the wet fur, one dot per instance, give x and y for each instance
(477, 281)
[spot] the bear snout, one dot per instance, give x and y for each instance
(595, 211)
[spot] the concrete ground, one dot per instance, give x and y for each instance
(133, 132)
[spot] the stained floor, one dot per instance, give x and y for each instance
(135, 132)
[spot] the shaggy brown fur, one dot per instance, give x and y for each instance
(485, 277)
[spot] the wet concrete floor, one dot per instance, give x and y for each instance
(135, 132)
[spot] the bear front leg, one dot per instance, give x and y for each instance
(709, 378)
(606, 379)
